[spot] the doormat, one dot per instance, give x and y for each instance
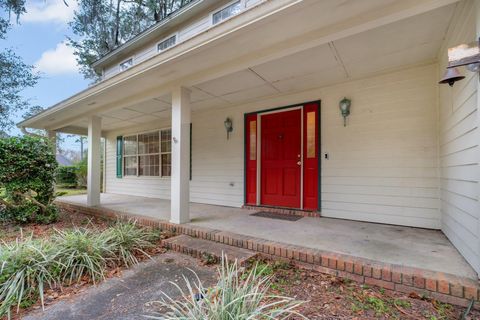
(279, 216)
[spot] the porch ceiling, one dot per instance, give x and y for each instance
(400, 44)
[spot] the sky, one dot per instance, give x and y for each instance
(40, 39)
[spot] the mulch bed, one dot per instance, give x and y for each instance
(11, 232)
(330, 297)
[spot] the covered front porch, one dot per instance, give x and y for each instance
(409, 247)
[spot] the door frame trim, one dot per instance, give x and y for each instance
(259, 113)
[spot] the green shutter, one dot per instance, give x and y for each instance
(119, 156)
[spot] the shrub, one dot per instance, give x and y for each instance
(67, 175)
(231, 298)
(82, 170)
(26, 268)
(83, 252)
(27, 172)
(128, 240)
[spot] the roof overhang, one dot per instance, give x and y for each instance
(272, 30)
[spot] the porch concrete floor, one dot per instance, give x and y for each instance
(412, 247)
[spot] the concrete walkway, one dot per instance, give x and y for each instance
(412, 247)
(128, 297)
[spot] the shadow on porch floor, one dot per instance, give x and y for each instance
(407, 246)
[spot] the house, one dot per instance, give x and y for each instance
(236, 104)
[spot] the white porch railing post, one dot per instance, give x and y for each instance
(93, 174)
(180, 180)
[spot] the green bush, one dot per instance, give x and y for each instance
(27, 173)
(67, 175)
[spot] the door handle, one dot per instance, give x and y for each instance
(299, 163)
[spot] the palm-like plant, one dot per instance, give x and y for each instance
(83, 252)
(128, 240)
(230, 299)
(26, 268)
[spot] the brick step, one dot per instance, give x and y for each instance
(205, 249)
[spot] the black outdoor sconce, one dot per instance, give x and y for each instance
(344, 106)
(228, 126)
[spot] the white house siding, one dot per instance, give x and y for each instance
(459, 151)
(382, 167)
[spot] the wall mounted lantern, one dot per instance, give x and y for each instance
(228, 126)
(467, 55)
(345, 109)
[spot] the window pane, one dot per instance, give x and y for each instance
(167, 165)
(148, 165)
(130, 145)
(227, 12)
(311, 126)
(253, 140)
(130, 166)
(126, 64)
(167, 43)
(148, 143)
(166, 140)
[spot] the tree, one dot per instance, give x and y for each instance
(102, 26)
(15, 75)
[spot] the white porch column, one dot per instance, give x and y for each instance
(52, 136)
(180, 180)
(93, 175)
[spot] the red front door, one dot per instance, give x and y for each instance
(281, 156)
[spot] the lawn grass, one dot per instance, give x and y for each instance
(69, 191)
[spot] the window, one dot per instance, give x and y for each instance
(148, 154)
(226, 12)
(165, 44)
(126, 64)
(311, 128)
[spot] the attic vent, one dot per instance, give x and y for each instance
(167, 43)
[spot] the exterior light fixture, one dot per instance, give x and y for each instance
(345, 109)
(228, 126)
(451, 76)
(467, 55)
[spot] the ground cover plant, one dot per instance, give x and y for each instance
(237, 295)
(30, 266)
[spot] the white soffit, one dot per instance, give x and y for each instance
(231, 83)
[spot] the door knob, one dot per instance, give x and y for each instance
(299, 163)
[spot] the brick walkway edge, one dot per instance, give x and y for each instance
(437, 285)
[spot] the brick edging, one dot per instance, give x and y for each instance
(441, 286)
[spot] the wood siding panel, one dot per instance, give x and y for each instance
(459, 151)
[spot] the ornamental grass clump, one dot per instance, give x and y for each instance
(27, 267)
(234, 297)
(129, 241)
(83, 252)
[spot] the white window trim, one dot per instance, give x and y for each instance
(243, 4)
(166, 38)
(120, 64)
(137, 176)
